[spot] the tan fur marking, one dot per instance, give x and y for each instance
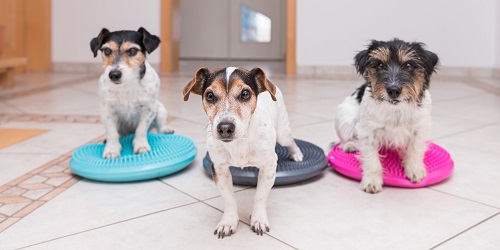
(405, 55)
(236, 86)
(218, 87)
(108, 60)
(413, 91)
(378, 88)
(382, 54)
(214, 175)
(135, 61)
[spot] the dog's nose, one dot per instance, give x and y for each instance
(225, 129)
(394, 91)
(115, 75)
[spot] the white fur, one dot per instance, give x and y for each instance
(229, 72)
(255, 147)
(131, 107)
(372, 124)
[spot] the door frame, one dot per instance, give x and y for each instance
(170, 36)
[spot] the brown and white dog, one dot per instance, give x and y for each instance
(129, 89)
(247, 116)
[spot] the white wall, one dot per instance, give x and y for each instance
(461, 32)
(497, 52)
(76, 22)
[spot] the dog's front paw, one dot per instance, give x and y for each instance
(297, 156)
(112, 151)
(141, 146)
(371, 185)
(416, 173)
(348, 147)
(166, 130)
(227, 226)
(259, 222)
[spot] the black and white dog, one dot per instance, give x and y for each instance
(129, 89)
(392, 109)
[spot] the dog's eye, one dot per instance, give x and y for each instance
(210, 97)
(106, 51)
(132, 52)
(380, 66)
(245, 95)
(408, 66)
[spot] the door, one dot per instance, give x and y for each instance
(232, 29)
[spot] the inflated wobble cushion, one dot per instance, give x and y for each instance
(287, 172)
(437, 161)
(169, 154)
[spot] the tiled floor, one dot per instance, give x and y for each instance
(43, 207)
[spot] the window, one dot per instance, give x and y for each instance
(255, 26)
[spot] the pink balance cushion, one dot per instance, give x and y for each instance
(437, 161)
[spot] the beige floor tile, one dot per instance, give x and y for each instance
(57, 101)
(442, 91)
(88, 205)
(189, 227)
(485, 139)
(322, 134)
(475, 176)
(483, 236)
(194, 181)
(13, 165)
(482, 108)
(443, 126)
(332, 213)
(6, 108)
(60, 139)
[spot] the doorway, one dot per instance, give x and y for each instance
(221, 33)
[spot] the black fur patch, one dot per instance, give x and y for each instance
(360, 92)
(142, 37)
(143, 71)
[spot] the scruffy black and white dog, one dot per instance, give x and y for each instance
(129, 89)
(392, 109)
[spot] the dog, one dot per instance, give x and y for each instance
(392, 109)
(247, 116)
(128, 89)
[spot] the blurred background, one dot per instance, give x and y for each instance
(313, 37)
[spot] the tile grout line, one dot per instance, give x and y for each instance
(35, 180)
(111, 224)
(465, 131)
(464, 231)
(41, 89)
(463, 198)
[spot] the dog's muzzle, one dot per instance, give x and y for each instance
(115, 76)
(226, 131)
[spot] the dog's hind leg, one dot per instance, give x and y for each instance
(345, 124)
(284, 133)
(160, 122)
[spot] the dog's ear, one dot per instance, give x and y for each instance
(262, 83)
(96, 42)
(430, 60)
(196, 85)
(361, 61)
(149, 41)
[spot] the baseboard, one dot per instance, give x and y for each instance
(497, 74)
(350, 72)
(71, 67)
